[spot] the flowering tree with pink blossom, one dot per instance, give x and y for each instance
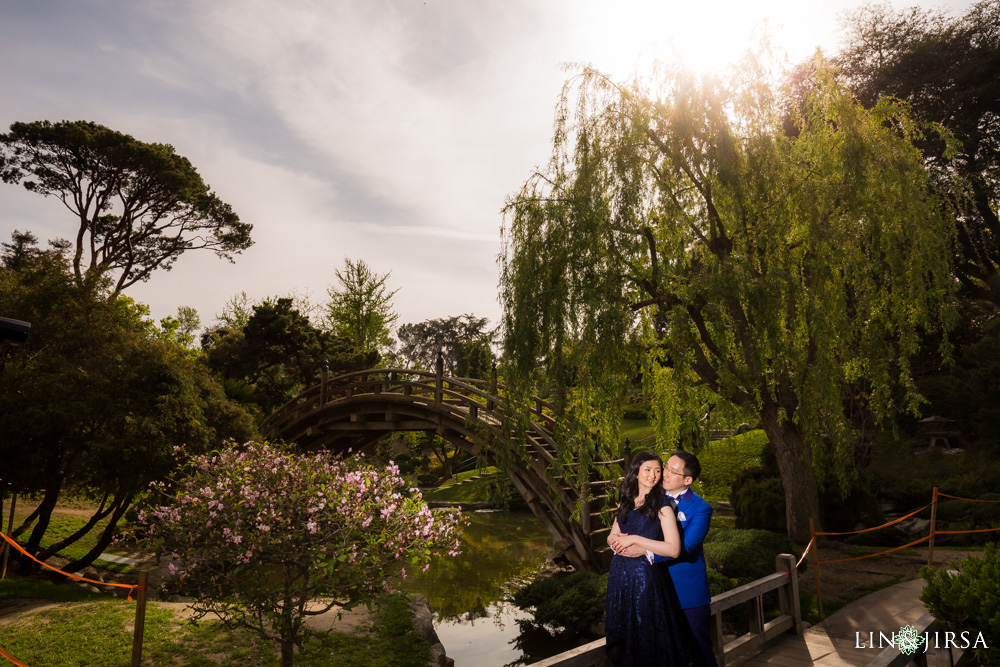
(268, 537)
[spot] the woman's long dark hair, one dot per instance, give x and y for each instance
(630, 489)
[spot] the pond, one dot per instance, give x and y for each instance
(501, 551)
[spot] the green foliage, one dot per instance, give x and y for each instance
(943, 68)
(360, 308)
(971, 475)
(719, 583)
(745, 555)
(758, 497)
(277, 354)
(93, 400)
(690, 227)
(574, 602)
(462, 340)
(758, 500)
(180, 330)
(137, 206)
(722, 460)
(969, 601)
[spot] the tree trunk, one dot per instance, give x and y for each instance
(52, 488)
(121, 505)
(794, 456)
(287, 645)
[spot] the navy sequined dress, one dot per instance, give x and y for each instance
(644, 624)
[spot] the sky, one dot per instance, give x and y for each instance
(385, 130)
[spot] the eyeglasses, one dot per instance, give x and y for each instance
(674, 472)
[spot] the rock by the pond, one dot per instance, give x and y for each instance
(423, 621)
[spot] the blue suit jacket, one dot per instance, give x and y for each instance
(688, 569)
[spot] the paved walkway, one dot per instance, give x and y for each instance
(843, 638)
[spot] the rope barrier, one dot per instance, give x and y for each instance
(958, 532)
(11, 658)
(808, 547)
(974, 500)
(880, 553)
(884, 525)
(17, 546)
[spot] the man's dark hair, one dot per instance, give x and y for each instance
(692, 466)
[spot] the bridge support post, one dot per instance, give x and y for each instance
(322, 383)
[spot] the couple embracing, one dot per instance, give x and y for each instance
(658, 597)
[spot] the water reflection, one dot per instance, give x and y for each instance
(501, 551)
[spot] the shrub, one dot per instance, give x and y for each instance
(745, 555)
(261, 531)
(722, 460)
(574, 602)
(758, 498)
(758, 501)
(969, 601)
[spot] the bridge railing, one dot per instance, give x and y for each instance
(783, 581)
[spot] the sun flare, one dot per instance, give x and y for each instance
(625, 37)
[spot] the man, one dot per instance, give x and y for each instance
(688, 570)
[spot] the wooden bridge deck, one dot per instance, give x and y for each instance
(835, 641)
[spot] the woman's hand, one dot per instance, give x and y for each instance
(621, 541)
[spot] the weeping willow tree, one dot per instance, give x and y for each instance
(777, 246)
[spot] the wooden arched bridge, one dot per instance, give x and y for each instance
(356, 409)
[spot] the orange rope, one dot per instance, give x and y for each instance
(889, 551)
(884, 525)
(974, 500)
(11, 658)
(958, 532)
(71, 576)
(808, 547)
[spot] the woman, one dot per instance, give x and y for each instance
(644, 623)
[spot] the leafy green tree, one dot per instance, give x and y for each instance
(180, 330)
(688, 223)
(420, 343)
(94, 401)
(360, 308)
(945, 69)
(138, 206)
(279, 353)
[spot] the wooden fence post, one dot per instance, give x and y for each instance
(815, 560)
(322, 383)
(493, 387)
(10, 527)
(439, 378)
(140, 619)
(930, 541)
(788, 596)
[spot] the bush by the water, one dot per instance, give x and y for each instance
(969, 601)
(574, 602)
(745, 555)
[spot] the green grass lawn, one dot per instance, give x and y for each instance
(98, 633)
